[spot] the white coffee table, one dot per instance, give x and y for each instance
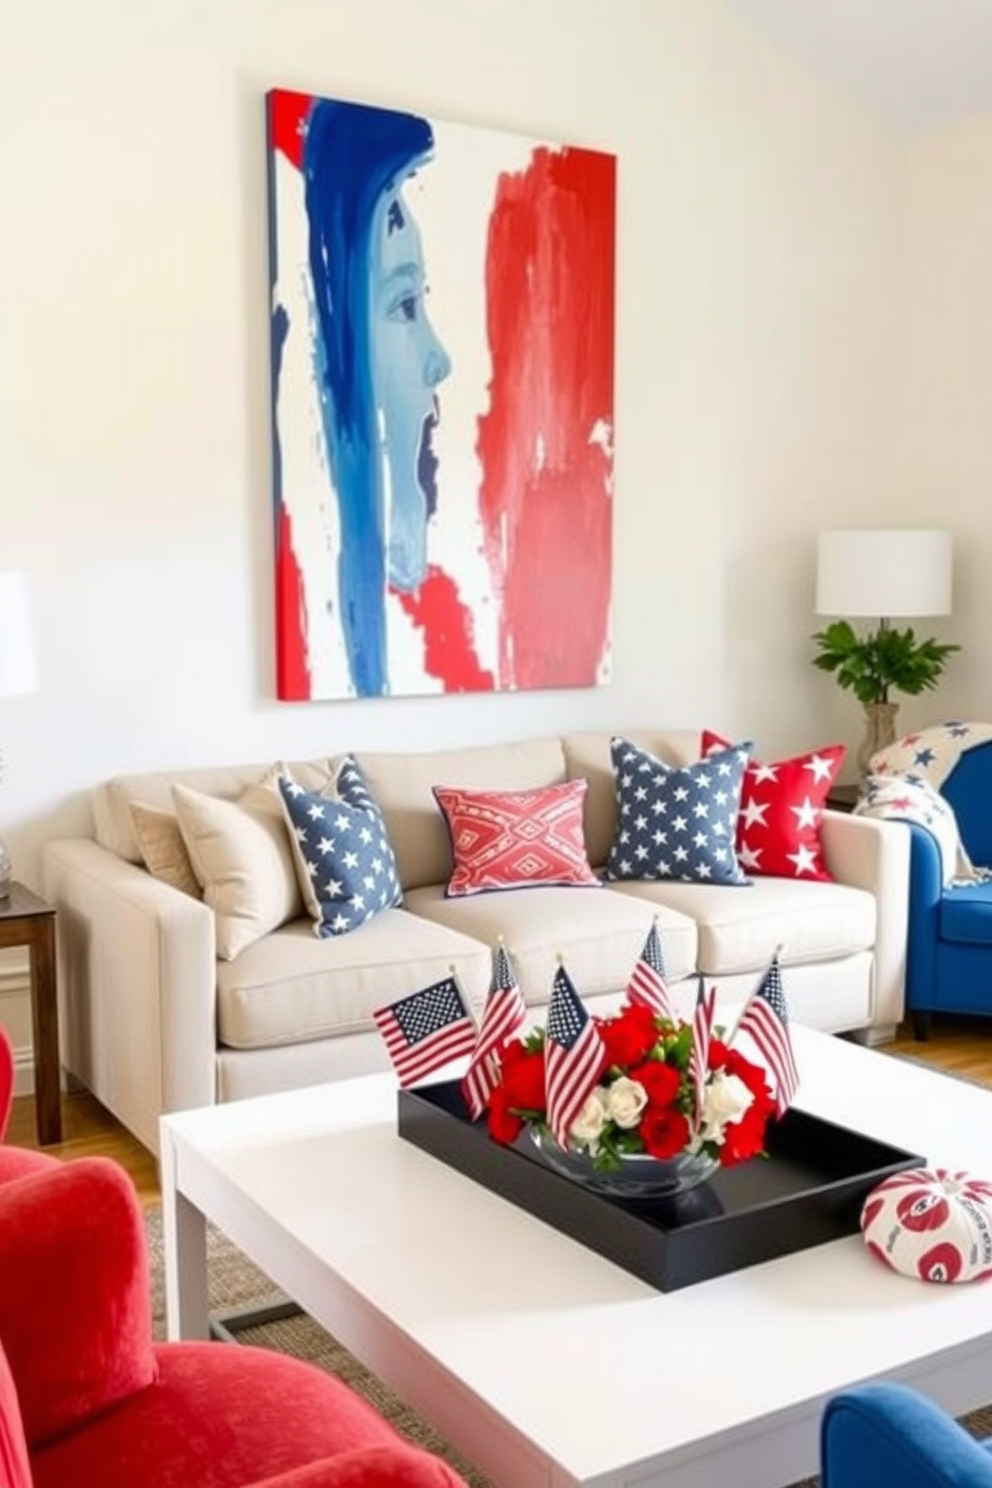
(541, 1361)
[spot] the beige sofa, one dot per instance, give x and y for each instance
(153, 1021)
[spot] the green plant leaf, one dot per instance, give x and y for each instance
(869, 665)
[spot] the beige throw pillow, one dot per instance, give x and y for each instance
(241, 855)
(163, 849)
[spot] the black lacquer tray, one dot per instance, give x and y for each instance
(808, 1190)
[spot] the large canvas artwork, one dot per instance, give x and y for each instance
(442, 315)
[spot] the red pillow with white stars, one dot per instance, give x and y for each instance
(778, 826)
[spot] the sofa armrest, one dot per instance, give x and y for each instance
(74, 1315)
(874, 855)
(137, 984)
(397, 1466)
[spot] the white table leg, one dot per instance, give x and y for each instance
(184, 1231)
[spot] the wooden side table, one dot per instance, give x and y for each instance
(26, 920)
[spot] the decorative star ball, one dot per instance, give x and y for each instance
(931, 1224)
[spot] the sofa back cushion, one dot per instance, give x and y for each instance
(588, 755)
(403, 785)
(968, 789)
(111, 801)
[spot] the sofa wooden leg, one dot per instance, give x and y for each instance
(921, 1026)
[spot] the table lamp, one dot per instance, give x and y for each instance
(886, 574)
(18, 666)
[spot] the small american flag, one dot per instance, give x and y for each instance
(702, 1028)
(426, 1030)
(766, 1019)
(647, 987)
(501, 1017)
(573, 1057)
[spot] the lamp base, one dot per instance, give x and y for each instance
(880, 732)
(6, 870)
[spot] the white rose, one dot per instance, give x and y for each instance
(587, 1126)
(625, 1100)
(725, 1100)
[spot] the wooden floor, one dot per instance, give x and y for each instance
(960, 1045)
(88, 1130)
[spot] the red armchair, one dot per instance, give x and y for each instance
(14, 1161)
(87, 1397)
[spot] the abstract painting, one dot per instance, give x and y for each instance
(442, 326)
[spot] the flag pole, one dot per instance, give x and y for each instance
(461, 993)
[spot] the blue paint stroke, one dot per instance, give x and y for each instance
(352, 156)
(277, 343)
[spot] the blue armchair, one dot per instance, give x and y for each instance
(881, 1435)
(949, 955)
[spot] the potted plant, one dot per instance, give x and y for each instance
(870, 666)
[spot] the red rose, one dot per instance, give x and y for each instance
(660, 1081)
(503, 1125)
(743, 1139)
(664, 1132)
(522, 1083)
(718, 1054)
(629, 1037)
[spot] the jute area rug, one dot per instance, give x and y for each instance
(235, 1283)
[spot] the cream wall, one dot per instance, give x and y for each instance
(761, 385)
(945, 428)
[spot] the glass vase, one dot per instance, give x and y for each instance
(639, 1175)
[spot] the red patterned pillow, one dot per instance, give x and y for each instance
(778, 827)
(512, 839)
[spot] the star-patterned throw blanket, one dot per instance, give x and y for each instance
(932, 753)
(905, 782)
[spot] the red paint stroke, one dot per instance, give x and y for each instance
(287, 120)
(293, 680)
(545, 500)
(446, 624)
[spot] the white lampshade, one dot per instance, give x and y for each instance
(18, 662)
(884, 573)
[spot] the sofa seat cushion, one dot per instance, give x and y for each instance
(966, 914)
(291, 987)
(739, 927)
(600, 935)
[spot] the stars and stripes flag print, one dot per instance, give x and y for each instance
(573, 1057)
(426, 1030)
(501, 1017)
(702, 1029)
(766, 1019)
(647, 986)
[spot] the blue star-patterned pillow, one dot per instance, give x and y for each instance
(677, 823)
(344, 859)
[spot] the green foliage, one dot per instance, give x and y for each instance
(869, 665)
